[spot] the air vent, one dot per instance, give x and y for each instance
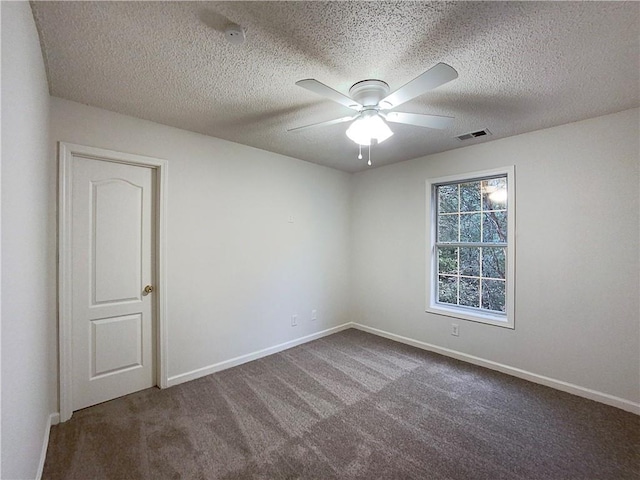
(479, 133)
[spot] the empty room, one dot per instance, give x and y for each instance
(347, 240)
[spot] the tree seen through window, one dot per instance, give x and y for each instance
(471, 243)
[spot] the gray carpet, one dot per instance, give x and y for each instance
(348, 406)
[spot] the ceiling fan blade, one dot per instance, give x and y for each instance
(321, 89)
(432, 78)
(420, 120)
(324, 124)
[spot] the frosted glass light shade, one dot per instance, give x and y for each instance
(368, 127)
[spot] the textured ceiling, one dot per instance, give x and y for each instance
(522, 66)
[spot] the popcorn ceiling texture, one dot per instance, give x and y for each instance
(522, 66)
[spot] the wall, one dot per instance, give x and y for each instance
(28, 245)
(577, 257)
(237, 268)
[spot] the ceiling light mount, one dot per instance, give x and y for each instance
(369, 92)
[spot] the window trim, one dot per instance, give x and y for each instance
(506, 320)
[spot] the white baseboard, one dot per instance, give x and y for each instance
(53, 419)
(216, 367)
(584, 392)
(605, 398)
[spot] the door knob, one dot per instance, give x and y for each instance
(148, 289)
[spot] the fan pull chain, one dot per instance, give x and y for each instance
(359, 152)
(369, 162)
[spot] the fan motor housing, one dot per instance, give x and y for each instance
(369, 92)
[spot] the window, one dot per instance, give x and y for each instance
(471, 261)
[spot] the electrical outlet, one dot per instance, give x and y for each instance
(455, 330)
(314, 315)
(294, 320)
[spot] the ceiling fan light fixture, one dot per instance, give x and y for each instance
(368, 127)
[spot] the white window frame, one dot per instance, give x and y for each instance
(506, 319)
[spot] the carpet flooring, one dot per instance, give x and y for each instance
(348, 406)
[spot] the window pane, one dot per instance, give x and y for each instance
(493, 296)
(470, 227)
(447, 289)
(470, 261)
(493, 262)
(470, 248)
(447, 198)
(470, 292)
(470, 197)
(495, 227)
(448, 260)
(447, 228)
(494, 194)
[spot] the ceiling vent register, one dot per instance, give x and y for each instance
(479, 133)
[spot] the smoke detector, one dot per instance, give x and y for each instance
(235, 34)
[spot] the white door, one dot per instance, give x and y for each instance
(113, 260)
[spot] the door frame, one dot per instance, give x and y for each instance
(66, 152)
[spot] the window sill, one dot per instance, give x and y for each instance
(472, 315)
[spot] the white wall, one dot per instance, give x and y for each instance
(28, 245)
(237, 269)
(577, 258)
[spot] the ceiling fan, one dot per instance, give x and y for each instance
(372, 102)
